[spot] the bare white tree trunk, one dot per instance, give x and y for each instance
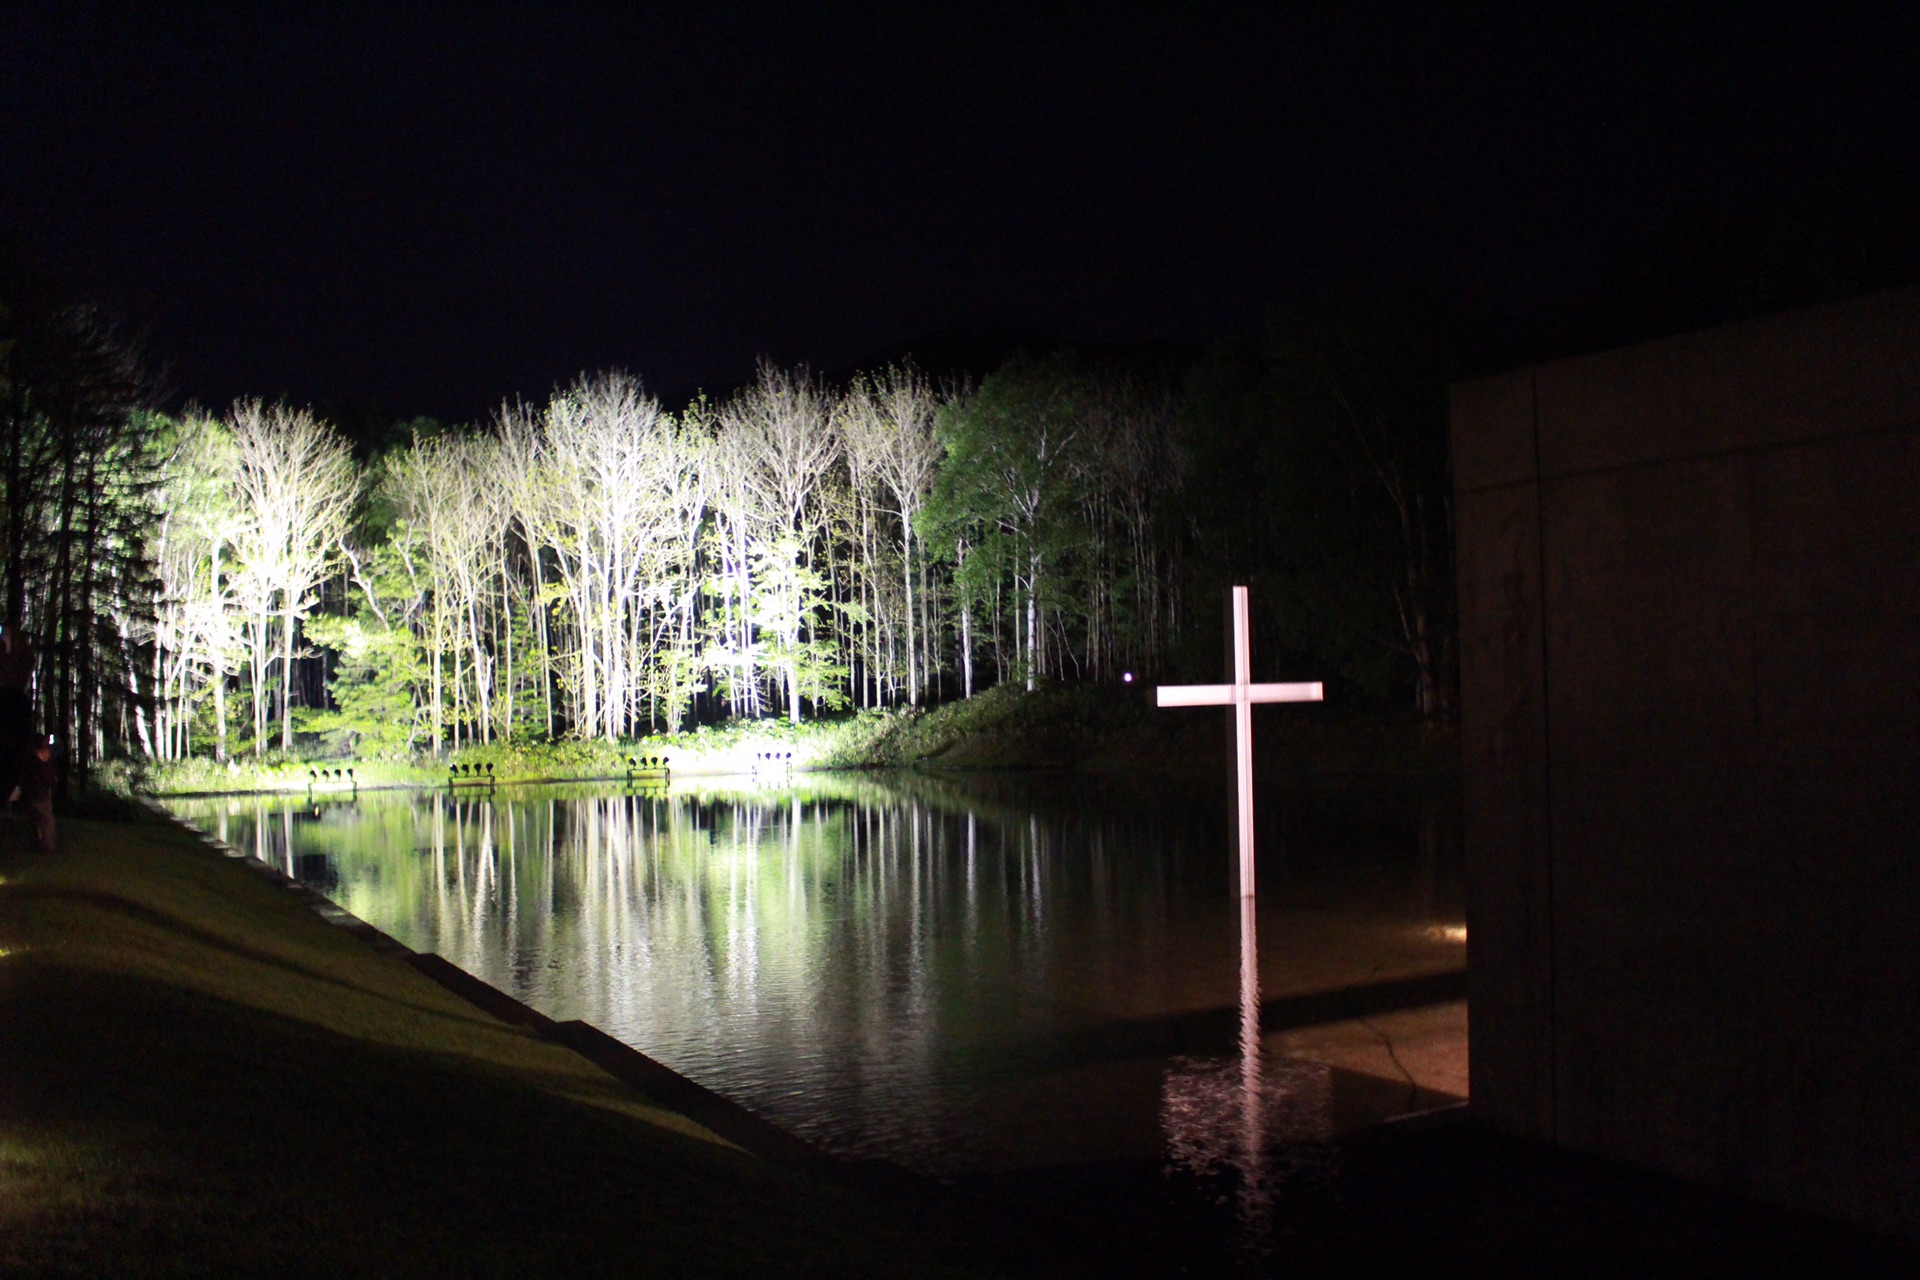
(297, 480)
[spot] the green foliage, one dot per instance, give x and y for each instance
(785, 608)
(1012, 462)
(595, 567)
(374, 688)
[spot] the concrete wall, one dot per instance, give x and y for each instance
(1690, 642)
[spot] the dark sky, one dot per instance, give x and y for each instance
(430, 210)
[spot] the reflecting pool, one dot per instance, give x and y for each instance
(950, 975)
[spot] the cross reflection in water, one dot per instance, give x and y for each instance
(1263, 1124)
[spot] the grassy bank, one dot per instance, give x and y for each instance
(1058, 726)
(848, 742)
(200, 1076)
(1118, 727)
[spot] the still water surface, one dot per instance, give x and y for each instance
(948, 975)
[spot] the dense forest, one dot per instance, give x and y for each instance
(77, 505)
(248, 582)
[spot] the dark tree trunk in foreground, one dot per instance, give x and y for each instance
(73, 512)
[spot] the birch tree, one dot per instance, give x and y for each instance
(298, 482)
(195, 643)
(783, 444)
(888, 422)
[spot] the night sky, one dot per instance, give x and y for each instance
(426, 212)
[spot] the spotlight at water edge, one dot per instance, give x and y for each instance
(1447, 932)
(1127, 678)
(749, 754)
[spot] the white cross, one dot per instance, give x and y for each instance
(1240, 695)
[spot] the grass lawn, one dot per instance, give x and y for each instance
(199, 1076)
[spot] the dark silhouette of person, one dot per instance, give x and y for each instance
(26, 758)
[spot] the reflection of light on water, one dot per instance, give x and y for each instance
(1207, 1106)
(1264, 1123)
(896, 968)
(1265, 1133)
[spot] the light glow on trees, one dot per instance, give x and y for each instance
(593, 566)
(597, 567)
(297, 485)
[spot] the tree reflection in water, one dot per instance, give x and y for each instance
(951, 975)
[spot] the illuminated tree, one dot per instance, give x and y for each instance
(787, 596)
(613, 490)
(297, 482)
(856, 523)
(594, 566)
(442, 491)
(779, 445)
(888, 425)
(1005, 486)
(524, 498)
(196, 643)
